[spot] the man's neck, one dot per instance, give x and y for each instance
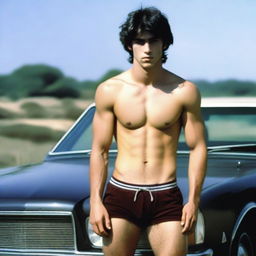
(146, 76)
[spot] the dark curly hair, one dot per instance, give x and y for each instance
(150, 20)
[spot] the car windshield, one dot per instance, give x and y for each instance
(224, 126)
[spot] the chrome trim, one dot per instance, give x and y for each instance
(68, 131)
(88, 151)
(240, 218)
(232, 153)
(226, 147)
(42, 213)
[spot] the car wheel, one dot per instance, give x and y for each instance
(243, 245)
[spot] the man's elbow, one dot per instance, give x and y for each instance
(198, 147)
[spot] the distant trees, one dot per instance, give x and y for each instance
(37, 80)
(226, 88)
(44, 80)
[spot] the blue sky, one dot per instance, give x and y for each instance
(213, 39)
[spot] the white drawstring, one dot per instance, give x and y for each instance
(143, 189)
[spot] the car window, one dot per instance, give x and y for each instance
(79, 138)
(224, 126)
(230, 125)
(227, 126)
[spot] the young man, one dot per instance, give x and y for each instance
(145, 108)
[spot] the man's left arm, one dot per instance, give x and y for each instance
(194, 130)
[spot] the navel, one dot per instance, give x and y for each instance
(145, 162)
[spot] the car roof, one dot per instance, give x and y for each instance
(229, 102)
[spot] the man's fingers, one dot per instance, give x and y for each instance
(102, 229)
(186, 226)
(96, 229)
(99, 228)
(104, 225)
(189, 225)
(107, 222)
(183, 219)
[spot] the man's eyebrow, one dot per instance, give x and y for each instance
(146, 39)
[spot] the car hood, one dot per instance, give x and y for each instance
(56, 181)
(66, 182)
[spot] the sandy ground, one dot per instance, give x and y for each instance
(17, 151)
(56, 124)
(52, 104)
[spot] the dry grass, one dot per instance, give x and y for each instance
(58, 116)
(20, 151)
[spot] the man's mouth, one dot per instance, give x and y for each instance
(147, 58)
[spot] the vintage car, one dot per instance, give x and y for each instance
(44, 207)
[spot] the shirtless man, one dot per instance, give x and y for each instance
(145, 108)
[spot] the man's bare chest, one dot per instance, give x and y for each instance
(156, 108)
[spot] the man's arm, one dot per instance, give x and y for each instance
(103, 127)
(195, 139)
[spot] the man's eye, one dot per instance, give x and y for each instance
(155, 40)
(139, 41)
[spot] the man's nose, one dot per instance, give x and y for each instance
(147, 47)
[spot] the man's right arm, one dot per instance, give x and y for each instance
(103, 128)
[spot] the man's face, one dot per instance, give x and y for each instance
(147, 49)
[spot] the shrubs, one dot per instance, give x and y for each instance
(5, 113)
(33, 110)
(31, 132)
(70, 110)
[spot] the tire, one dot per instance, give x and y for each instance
(243, 244)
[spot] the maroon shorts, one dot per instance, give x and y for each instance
(143, 205)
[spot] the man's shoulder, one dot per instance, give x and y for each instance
(177, 82)
(108, 90)
(189, 93)
(113, 83)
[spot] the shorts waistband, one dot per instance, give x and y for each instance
(136, 187)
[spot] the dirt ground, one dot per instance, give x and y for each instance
(20, 151)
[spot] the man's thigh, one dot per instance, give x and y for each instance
(166, 239)
(123, 238)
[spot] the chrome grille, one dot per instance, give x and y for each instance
(36, 232)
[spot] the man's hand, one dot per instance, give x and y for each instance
(189, 217)
(100, 220)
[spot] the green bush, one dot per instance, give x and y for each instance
(71, 111)
(63, 88)
(31, 132)
(7, 114)
(34, 110)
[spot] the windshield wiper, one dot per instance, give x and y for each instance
(250, 147)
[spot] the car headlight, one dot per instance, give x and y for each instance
(200, 229)
(197, 237)
(95, 239)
